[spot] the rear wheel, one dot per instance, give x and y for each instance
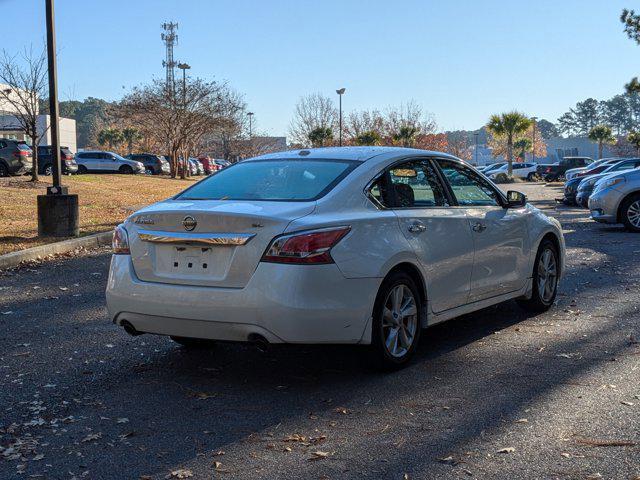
(531, 177)
(4, 171)
(396, 322)
(630, 213)
(126, 169)
(48, 170)
(194, 343)
(545, 279)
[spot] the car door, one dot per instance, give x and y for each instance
(500, 235)
(438, 234)
(108, 162)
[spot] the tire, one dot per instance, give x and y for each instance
(630, 213)
(549, 178)
(149, 171)
(531, 177)
(387, 350)
(82, 169)
(125, 169)
(546, 261)
(4, 171)
(47, 171)
(194, 343)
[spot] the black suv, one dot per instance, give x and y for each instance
(15, 157)
(45, 161)
(153, 164)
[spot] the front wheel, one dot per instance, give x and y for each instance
(48, 170)
(82, 169)
(126, 169)
(546, 270)
(4, 171)
(396, 322)
(531, 177)
(630, 213)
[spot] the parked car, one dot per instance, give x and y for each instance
(212, 165)
(195, 167)
(585, 189)
(555, 171)
(520, 170)
(616, 199)
(16, 157)
(221, 163)
(493, 166)
(571, 173)
(153, 164)
(358, 238)
(571, 185)
(45, 160)
(99, 161)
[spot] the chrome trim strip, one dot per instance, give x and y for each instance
(208, 239)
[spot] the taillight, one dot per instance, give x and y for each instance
(120, 241)
(310, 247)
(548, 170)
(21, 153)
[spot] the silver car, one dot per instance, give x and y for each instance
(616, 199)
(355, 245)
(108, 162)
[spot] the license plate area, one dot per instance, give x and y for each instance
(191, 262)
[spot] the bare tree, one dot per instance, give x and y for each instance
(25, 76)
(408, 116)
(312, 112)
(365, 121)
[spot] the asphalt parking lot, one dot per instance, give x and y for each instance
(496, 394)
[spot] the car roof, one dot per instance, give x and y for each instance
(360, 154)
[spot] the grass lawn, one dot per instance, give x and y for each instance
(105, 200)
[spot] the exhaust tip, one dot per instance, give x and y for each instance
(259, 341)
(130, 329)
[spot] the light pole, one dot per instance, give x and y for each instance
(533, 140)
(184, 67)
(340, 92)
(250, 115)
(476, 151)
(58, 213)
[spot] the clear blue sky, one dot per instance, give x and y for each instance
(461, 59)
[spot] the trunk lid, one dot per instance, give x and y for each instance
(213, 243)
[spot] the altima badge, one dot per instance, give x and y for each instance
(189, 223)
(144, 220)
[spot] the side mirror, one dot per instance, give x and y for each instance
(516, 199)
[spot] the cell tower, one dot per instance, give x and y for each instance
(170, 38)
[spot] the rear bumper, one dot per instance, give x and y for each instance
(283, 303)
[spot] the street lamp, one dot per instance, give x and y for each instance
(533, 141)
(184, 67)
(250, 115)
(340, 92)
(58, 213)
(476, 151)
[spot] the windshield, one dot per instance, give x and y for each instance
(275, 180)
(495, 166)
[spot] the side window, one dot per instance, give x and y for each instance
(469, 188)
(415, 184)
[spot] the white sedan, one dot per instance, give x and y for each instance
(521, 170)
(356, 245)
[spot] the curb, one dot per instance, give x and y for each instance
(13, 259)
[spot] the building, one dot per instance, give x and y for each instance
(10, 126)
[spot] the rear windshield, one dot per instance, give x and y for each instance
(271, 180)
(24, 146)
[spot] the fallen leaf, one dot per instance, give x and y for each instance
(122, 420)
(180, 473)
(628, 404)
(506, 450)
(92, 437)
(341, 410)
(319, 455)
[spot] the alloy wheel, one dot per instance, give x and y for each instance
(633, 214)
(547, 275)
(399, 320)
(48, 170)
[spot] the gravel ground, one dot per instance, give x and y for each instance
(496, 394)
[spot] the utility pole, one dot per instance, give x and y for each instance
(58, 213)
(533, 140)
(340, 92)
(250, 115)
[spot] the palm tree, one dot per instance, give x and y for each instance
(370, 137)
(509, 125)
(318, 136)
(130, 136)
(634, 139)
(406, 135)
(522, 146)
(601, 134)
(110, 136)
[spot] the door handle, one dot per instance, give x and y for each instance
(417, 227)
(479, 227)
